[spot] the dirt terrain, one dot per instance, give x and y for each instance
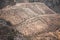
(30, 21)
(53, 4)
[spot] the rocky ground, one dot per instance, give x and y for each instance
(30, 21)
(53, 4)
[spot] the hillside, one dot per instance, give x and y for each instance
(30, 21)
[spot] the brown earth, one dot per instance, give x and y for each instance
(32, 21)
